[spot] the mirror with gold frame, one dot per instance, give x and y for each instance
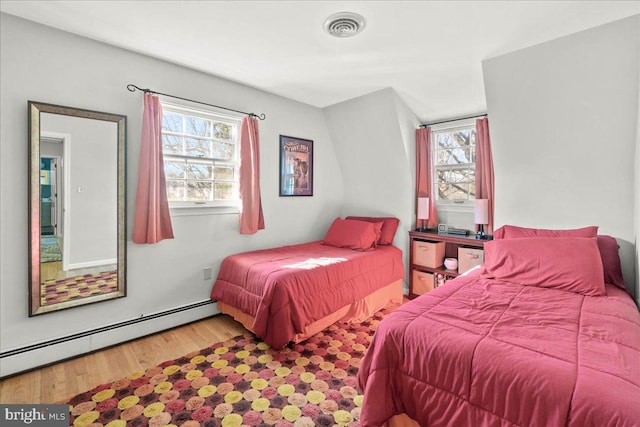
(77, 207)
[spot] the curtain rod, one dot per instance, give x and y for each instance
(453, 120)
(132, 88)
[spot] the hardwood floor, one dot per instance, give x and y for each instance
(59, 382)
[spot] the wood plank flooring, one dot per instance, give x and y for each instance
(59, 382)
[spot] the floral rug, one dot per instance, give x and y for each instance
(241, 382)
(71, 288)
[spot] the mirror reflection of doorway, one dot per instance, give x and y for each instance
(51, 206)
(48, 195)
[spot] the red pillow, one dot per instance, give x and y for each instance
(514, 232)
(357, 235)
(611, 261)
(565, 263)
(389, 227)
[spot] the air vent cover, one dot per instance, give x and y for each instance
(344, 24)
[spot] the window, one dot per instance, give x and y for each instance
(201, 157)
(455, 164)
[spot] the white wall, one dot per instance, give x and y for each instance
(563, 118)
(46, 65)
(374, 137)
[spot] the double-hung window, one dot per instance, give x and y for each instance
(454, 150)
(201, 157)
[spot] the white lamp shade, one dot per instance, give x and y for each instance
(423, 208)
(481, 210)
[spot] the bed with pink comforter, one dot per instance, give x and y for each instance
(483, 350)
(287, 288)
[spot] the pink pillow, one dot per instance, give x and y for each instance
(611, 261)
(389, 227)
(565, 263)
(357, 235)
(607, 245)
(514, 232)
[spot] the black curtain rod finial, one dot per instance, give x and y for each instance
(132, 88)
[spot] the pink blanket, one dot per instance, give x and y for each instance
(288, 288)
(478, 352)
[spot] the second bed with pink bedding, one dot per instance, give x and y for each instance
(284, 290)
(533, 338)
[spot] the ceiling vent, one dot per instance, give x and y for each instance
(344, 24)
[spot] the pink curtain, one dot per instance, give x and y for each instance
(424, 175)
(251, 217)
(484, 169)
(152, 219)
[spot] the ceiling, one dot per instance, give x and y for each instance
(430, 52)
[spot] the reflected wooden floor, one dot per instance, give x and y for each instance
(58, 285)
(54, 271)
(50, 270)
(59, 382)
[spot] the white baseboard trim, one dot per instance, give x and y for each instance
(90, 264)
(45, 353)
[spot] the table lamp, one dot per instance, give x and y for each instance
(423, 212)
(481, 211)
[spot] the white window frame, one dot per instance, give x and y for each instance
(450, 205)
(180, 208)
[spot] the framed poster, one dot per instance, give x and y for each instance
(296, 166)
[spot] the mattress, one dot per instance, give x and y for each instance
(286, 289)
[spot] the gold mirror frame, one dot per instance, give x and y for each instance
(35, 278)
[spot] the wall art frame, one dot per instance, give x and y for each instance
(296, 166)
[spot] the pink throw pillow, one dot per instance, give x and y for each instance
(389, 227)
(607, 245)
(514, 232)
(611, 261)
(565, 263)
(356, 235)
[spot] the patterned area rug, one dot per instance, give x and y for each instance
(49, 250)
(241, 382)
(55, 291)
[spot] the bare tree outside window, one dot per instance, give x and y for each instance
(455, 164)
(201, 157)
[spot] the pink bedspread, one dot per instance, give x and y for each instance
(289, 287)
(477, 352)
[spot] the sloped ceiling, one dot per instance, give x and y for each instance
(430, 52)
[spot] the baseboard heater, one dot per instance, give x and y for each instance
(130, 322)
